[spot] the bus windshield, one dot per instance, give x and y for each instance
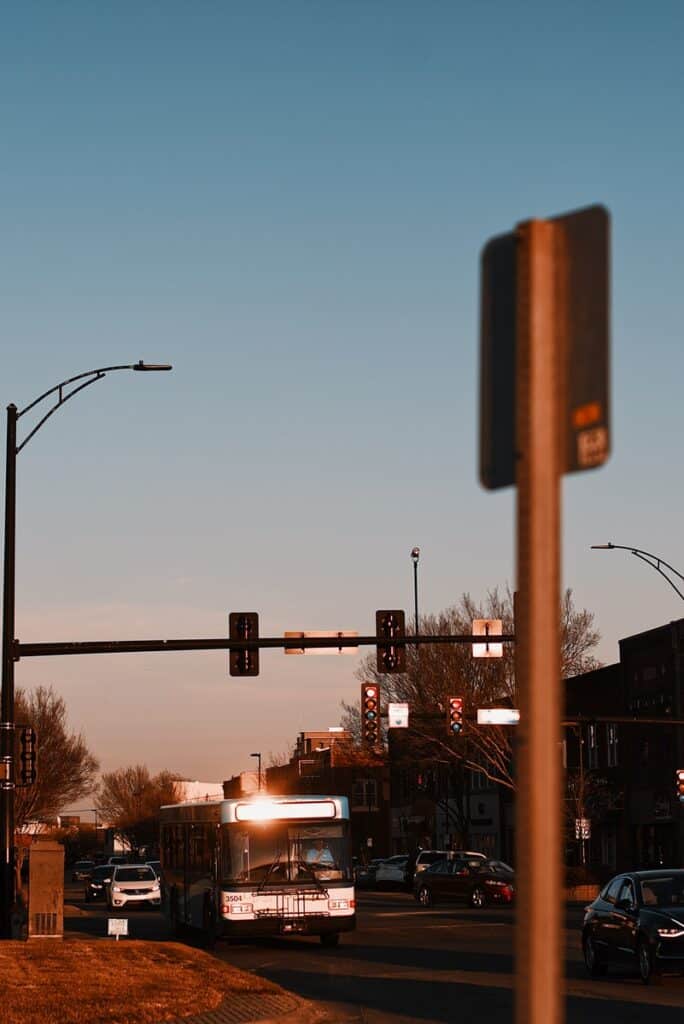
(276, 852)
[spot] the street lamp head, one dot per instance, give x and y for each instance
(415, 554)
(255, 755)
(151, 366)
(603, 547)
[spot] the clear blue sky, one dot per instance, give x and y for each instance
(288, 201)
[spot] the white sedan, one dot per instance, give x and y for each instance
(133, 883)
(392, 871)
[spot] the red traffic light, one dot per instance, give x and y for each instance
(455, 715)
(679, 780)
(370, 713)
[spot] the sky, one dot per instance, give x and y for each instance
(288, 202)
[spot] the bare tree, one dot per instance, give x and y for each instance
(436, 672)
(130, 798)
(66, 769)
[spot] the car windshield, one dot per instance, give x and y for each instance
(100, 873)
(497, 867)
(141, 874)
(665, 890)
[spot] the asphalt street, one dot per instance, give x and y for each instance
(408, 965)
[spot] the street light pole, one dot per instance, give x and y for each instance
(415, 556)
(7, 723)
(258, 756)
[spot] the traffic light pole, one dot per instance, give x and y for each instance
(7, 770)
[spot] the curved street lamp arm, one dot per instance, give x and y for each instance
(656, 565)
(653, 560)
(92, 376)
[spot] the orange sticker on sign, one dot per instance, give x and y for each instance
(586, 415)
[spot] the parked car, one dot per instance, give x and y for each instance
(391, 872)
(477, 882)
(364, 874)
(81, 870)
(97, 882)
(133, 883)
(637, 920)
(424, 858)
(421, 862)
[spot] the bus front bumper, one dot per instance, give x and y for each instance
(312, 924)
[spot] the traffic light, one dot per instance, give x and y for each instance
(244, 626)
(679, 779)
(390, 625)
(370, 714)
(27, 755)
(455, 716)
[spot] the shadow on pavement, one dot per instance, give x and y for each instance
(449, 1001)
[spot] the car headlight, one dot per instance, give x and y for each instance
(670, 933)
(116, 888)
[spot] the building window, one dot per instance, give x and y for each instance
(365, 795)
(612, 744)
(592, 746)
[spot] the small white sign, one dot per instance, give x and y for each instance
(498, 716)
(314, 634)
(582, 828)
(117, 926)
(398, 716)
(487, 627)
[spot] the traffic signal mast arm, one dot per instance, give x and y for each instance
(45, 650)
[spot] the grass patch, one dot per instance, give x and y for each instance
(125, 982)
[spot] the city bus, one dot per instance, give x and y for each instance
(259, 866)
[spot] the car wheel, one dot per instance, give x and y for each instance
(425, 896)
(591, 960)
(330, 939)
(478, 897)
(645, 960)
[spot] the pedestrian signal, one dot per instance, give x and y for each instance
(244, 626)
(390, 625)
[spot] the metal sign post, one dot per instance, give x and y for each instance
(539, 983)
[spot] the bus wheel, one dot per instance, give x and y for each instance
(330, 939)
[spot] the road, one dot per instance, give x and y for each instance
(408, 965)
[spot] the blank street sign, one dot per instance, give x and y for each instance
(315, 633)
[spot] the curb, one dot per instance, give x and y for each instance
(255, 1008)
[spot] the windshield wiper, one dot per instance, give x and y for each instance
(315, 879)
(274, 864)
